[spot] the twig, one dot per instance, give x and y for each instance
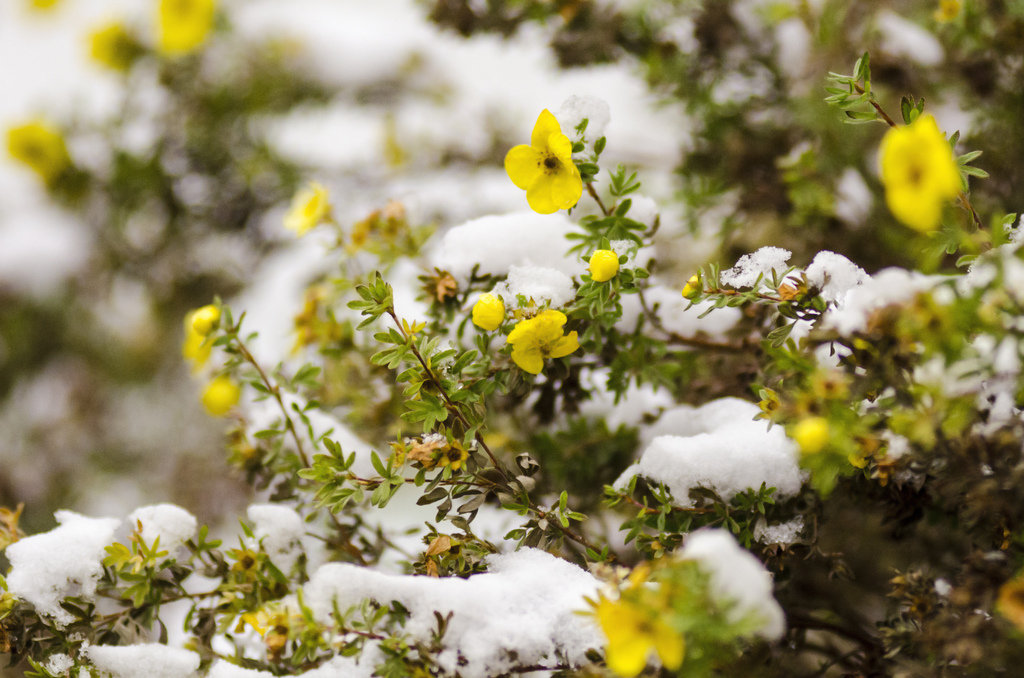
(597, 198)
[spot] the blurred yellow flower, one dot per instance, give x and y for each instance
(205, 319)
(919, 172)
(220, 396)
(488, 312)
(455, 456)
(195, 349)
(811, 434)
(632, 633)
(604, 264)
(41, 147)
(183, 25)
(43, 4)
(540, 337)
(947, 10)
(692, 287)
(544, 169)
(310, 207)
(112, 46)
(1010, 602)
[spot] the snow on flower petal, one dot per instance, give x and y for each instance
(544, 169)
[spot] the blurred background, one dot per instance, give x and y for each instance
(147, 169)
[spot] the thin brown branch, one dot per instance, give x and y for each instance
(593, 194)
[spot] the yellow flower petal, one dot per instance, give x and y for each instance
(546, 125)
(565, 345)
(184, 25)
(670, 645)
(524, 165)
(539, 196)
(566, 188)
(627, 654)
(528, 359)
(560, 146)
(552, 316)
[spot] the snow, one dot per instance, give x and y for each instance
(739, 578)
(905, 40)
(172, 524)
(637, 403)
(675, 316)
(279, 529)
(718, 446)
(66, 561)
(834, 275)
(58, 664)
(888, 286)
(527, 604)
(576, 109)
(223, 669)
(538, 284)
(853, 197)
(782, 533)
(152, 660)
(754, 265)
(499, 242)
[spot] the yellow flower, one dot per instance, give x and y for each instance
(183, 25)
(455, 456)
(919, 173)
(1010, 603)
(111, 45)
(540, 337)
(309, 207)
(488, 312)
(195, 348)
(604, 264)
(632, 633)
(41, 147)
(220, 396)
(205, 319)
(692, 287)
(545, 169)
(811, 434)
(947, 10)
(43, 4)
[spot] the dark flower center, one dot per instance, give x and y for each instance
(550, 162)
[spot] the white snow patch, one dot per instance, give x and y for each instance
(527, 604)
(904, 39)
(223, 669)
(888, 286)
(153, 660)
(172, 524)
(280, 530)
(782, 533)
(58, 663)
(756, 264)
(738, 577)
(499, 242)
(536, 283)
(718, 446)
(576, 109)
(834, 275)
(66, 561)
(853, 197)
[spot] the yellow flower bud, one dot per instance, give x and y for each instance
(220, 396)
(811, 434)
(41, 147)
(205, 319)
(310, 207)
(488, 312)
(604, 264)
(184, 25)
(692, 287)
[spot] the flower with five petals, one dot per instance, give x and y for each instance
(544, 168)
(540, 337)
